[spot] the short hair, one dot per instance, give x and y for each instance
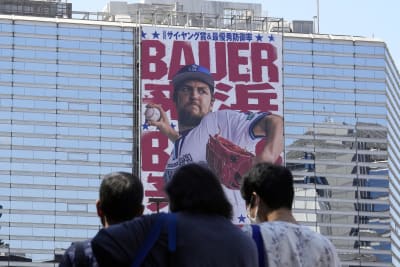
(196, 189)
(121, 196)
(273, 183)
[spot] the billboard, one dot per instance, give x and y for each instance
(246, 69)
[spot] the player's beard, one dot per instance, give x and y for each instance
(187, 119)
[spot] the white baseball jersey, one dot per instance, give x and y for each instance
(235, 126)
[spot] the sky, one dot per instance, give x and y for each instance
(368, 18)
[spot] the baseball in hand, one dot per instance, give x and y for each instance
(152, 114)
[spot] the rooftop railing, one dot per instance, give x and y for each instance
(185, 19)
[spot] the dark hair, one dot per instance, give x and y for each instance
(273, 183)
(121, 196)
(196, 189)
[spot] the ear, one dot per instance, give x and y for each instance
(254, 200)
(141, 210)
(212, 103)
(99, 210)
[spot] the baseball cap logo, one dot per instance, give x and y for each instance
(193, 68)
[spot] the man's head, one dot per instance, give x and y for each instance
(272, 184)
(121, 196)
(196, 189)
(193, 94)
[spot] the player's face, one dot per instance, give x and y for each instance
(194, 101)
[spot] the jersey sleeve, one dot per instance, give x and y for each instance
(235, 126)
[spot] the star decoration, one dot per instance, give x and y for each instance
(173, 125)
(241, 218)
(145, 126)
(144, 35)
(271, 38)
(155, 35)
(259, 37)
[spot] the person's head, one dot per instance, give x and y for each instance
(268, 187)
(196, 189)
(121, 196)
(193, 94)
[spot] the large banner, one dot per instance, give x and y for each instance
(246, 69)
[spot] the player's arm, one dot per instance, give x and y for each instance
(164, 124)
(270, 126)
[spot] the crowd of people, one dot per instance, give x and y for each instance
(198, 229)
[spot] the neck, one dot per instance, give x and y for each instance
(107, 222)
(282, 214)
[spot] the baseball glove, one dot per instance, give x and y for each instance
(228, 161)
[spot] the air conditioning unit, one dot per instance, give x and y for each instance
(303, 26)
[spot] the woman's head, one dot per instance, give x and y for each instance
(195, 188)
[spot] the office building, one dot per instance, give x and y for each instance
(69, 113)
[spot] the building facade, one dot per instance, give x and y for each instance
(69, 114)
(392, 87)
(67, 118)
(336, 134)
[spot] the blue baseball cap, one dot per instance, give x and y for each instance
(193, 72)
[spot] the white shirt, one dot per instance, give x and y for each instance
(294, 245)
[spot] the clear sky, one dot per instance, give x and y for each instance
(369, 18)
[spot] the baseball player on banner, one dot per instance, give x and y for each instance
(225, 140)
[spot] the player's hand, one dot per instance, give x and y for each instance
(163, 124)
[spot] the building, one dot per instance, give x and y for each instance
(336, 114)
(66, 115)
(214, 14)
(51, 9)
(69, 114)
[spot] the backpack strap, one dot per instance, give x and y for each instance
(262, 255)
(81, 260)
(172, 232)
(153, 235)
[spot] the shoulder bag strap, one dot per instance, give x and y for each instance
(262, 255)
(172, 232)
(153, 236)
